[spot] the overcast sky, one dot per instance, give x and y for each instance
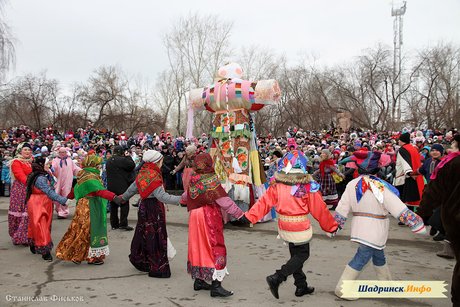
(72, 38)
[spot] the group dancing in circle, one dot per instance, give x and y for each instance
(293, 193)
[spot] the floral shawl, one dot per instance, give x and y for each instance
(148, 179)
(205, 187)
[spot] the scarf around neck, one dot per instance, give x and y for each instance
(88, 181)
(62, 160)
(443, 162)
(204, 189)
(376, 185)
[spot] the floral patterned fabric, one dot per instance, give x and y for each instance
(148, 179)
(412, 220)
(204, 186)
(375, 185)
(18, 219)
(75, 243)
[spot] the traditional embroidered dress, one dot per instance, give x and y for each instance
(64, 170)
(207, 254)
(40, 196)
(327, 183)
(149, 252)
(86, 237)
(17, 214)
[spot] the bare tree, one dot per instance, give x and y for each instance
(196, 46)
(169, 97)
(66, 112)
(260, 63)
(28, 100)
(103, 92)
(435, 98)
(7, 51)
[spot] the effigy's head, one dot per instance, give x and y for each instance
(230, 71)
(230, 92)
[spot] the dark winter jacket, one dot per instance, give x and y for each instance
(120, 174)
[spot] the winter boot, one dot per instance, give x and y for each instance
(447, 251)
(383, 272)
(274, 281)
(200, 284)
(301, 291)
(218, 290)
(348, 274)
(47, 257)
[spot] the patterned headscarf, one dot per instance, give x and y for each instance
(148, 179)
(18, 152)
(89, 179)
(19, 157)
(205, 187)
(91, 161)
(203, 164)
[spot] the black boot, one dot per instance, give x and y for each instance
(47, 257)
(200, 284)
(218, 290)
(32, 249)
(301, 291)
(274, 281)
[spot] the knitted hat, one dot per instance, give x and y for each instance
(191, 149)
(152, 156)
(405, 137)
(368, 164)
(438, 147)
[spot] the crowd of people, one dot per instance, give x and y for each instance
(308, 172)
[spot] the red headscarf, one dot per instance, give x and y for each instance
(205, 187)
(148, 179)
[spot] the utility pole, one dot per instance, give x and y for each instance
(397, 12)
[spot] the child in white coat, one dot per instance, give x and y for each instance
(371, 200)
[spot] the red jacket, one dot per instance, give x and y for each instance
(293, 224)
(21, 170)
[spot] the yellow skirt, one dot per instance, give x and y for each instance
(75, 244)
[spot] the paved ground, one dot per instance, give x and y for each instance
(252, 255)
